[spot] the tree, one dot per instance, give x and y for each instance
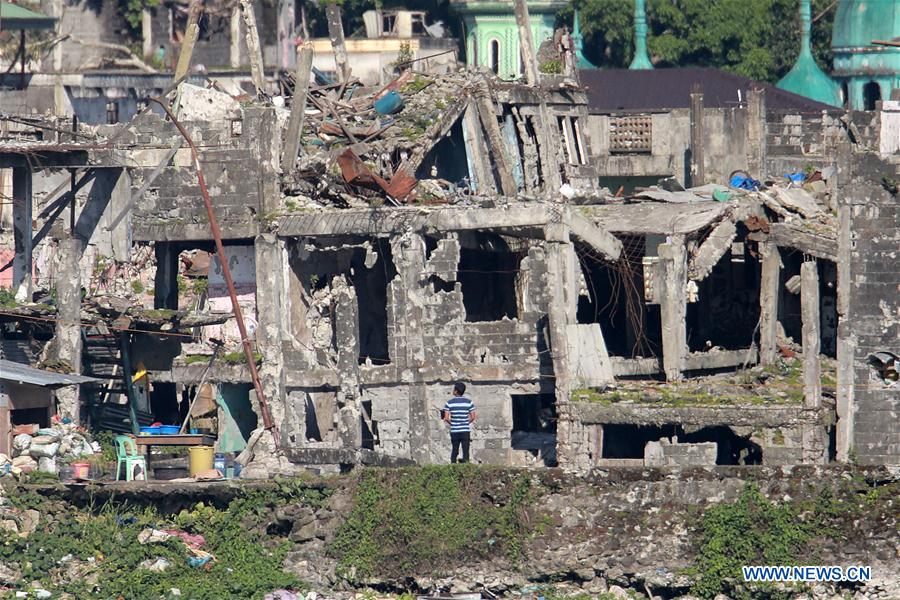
(759, 39)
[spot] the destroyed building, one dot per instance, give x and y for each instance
(383, 243)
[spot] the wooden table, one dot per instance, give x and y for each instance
(182, 439)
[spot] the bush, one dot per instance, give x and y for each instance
(430, 518)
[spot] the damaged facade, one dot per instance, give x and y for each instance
(385, 243)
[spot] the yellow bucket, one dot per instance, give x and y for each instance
(201, 459)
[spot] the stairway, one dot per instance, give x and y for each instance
(107, 399)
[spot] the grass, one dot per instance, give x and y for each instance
(431, 519)
(754, 530)
(230, 358)
(94, 552)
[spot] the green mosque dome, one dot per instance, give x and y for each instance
(806, 78)
(867, 72)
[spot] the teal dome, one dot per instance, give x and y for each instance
(867, 71)
(858, 22)
(806, 78)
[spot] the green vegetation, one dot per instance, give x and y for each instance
(418, 84)
(756, 531)
(200, 285)
(8, 298)
(238, 358)
(754, 38)
(551, 67)
(94, 551)
(430, 518)
(231, 358)
(137, 287)
(404, 56)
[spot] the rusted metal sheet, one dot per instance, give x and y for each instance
(355, 172)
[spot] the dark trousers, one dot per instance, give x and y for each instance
(462, 438)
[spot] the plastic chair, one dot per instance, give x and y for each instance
(127, 453)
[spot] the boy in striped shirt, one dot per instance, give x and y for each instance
(459, 412)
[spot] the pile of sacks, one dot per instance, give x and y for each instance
(40, 448)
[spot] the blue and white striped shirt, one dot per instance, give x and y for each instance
(460, 408)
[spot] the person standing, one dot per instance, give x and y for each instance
(459, 412)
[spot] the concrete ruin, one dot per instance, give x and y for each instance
(378, 259)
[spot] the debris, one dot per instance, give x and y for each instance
(152, 536)
(797, 200)
(390, 103)
(743, 181)
(157, 565)
(887, 364)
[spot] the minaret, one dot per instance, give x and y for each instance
(641, 60)
(805, 77)
(582, 61)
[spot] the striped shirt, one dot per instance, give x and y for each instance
(460, 408)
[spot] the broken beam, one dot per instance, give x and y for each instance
(495, 139)
(257, 71)
(298, 108)
(190, 38)
(710, 251)
(336, 33)
(790, 236)
(598, 239)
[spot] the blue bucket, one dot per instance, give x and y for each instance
(169, 429)
(149, 430)
(389, 103)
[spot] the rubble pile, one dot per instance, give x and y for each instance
(366, 144)
(44, 448)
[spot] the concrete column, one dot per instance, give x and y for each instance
(698, 171)
(165, 284)
(477, 152)
(846, 345)
(22, 232)
(809, 312)
(147, 33)
(557, 236)
(346, 326)
(526, 42)
(814, 445)
(234, 48)
(409, 256)
(273, 315)
(756, 132)
(67, 341)
(267, 150)
(768, 302)
(673, 306)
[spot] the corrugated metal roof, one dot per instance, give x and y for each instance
(19, 373)
(611, 90)
(15, 17)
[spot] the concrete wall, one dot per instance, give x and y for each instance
(873, 310)
(172, 208)
(726, 145)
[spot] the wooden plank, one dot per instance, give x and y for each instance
(184, 439)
